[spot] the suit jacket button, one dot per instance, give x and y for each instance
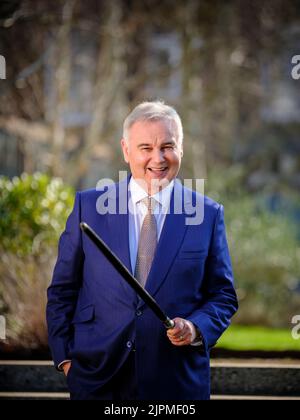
(138, 312)
(129, 344)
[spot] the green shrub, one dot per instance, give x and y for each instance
(33, 212)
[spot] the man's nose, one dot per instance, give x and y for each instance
(158, 156)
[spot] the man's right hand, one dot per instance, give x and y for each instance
(66, 367)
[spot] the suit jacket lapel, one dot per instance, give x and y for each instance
(170, 240)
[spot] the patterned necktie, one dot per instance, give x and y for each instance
(147, 243)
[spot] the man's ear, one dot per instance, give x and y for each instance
(125, 150)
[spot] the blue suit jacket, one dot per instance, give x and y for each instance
(94, 317)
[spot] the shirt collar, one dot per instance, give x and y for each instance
(137, 193)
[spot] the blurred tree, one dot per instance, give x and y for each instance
(75, 69)
(264, 249)
(8, 8)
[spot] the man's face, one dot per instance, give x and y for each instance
(153, 153)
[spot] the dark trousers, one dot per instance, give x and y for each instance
(122, 386)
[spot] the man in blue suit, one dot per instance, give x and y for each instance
(106, 340)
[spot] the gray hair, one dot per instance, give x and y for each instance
(153, 111)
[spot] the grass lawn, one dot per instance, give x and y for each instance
(258, 338)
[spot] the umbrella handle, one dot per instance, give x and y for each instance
(169, 324)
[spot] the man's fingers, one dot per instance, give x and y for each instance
(174, 332)
(181, 334)
(181, 342)
(182, 338)
(177, 330)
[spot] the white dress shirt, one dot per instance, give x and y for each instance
(138, 211)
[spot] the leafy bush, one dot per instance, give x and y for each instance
(33, 212)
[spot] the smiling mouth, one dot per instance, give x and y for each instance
(158, 170)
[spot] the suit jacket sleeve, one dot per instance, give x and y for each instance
(220, 301)
(64, 289)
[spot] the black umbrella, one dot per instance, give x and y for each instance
(127, 276)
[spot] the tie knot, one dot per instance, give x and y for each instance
(150, 203)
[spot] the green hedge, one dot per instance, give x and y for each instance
(33, 212)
